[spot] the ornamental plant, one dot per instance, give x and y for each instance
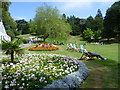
(44, 47)
(35, 71)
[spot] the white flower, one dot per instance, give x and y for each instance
(6, 86)
(45, 81)
(21, 87)
(11, 63)
(23, 84)
(22, 79)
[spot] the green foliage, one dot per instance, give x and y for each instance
(32, 27)
(89, 21)
(23, 26)
(25, 41)
(13, 33)
(97, 27)
(112, 21)
(11, 48)
(99, 14)
(76, 24)
(88, 34)
(48, 23)
(96, 24)
(7, 19)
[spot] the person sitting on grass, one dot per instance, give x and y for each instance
(90, 55)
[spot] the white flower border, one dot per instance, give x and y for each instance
(72, 80)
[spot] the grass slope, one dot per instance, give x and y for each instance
(103, 73)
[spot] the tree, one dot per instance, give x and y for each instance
(112, 21)
(88, 34)
(49, 23)
(11, 48)
(89, 21)
(97, 27)
(32, 27)
(8, 21)
(77, 25)
(99, 14)
(22, 26)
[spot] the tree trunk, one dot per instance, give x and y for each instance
(12, 56)
(45, 37)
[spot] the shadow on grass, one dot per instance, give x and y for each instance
(103, 74)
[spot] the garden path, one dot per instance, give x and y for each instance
(26, 45)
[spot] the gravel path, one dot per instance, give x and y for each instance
(26, 45)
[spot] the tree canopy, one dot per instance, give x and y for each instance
(22, 26)
(9, 23)
(49, 23)
(112, 21)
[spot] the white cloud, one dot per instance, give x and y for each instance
(75, 5)
(18, 18)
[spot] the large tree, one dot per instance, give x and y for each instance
(23, 26)
(97, 27)
(9, 23)
(95, 24)
(7, 19)
(49, 23)
(77, 25)
(89, 21)
(112, 21)
(99, 14)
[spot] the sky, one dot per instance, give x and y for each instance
(27, 9)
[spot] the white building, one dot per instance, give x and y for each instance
(3, 34)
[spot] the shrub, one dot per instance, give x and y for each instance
(25, 41)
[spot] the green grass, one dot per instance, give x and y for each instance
(103, 73)
(26, 36)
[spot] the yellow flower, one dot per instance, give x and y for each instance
(58, 67)
(54, 71)
(51, 71)
(51, 79)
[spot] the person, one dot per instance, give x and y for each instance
(90, 54)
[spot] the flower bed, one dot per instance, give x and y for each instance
(36, 71)
(44, 47)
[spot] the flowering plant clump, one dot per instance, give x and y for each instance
(44, 47)
(36, 71)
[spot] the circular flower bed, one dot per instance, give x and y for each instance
(44, 47)
(36, 71)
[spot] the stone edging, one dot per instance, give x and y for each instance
(72, 80)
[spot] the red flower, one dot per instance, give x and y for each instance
(44, 47)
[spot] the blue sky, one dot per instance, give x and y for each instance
(27, 10)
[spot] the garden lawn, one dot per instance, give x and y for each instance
(103, 73)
